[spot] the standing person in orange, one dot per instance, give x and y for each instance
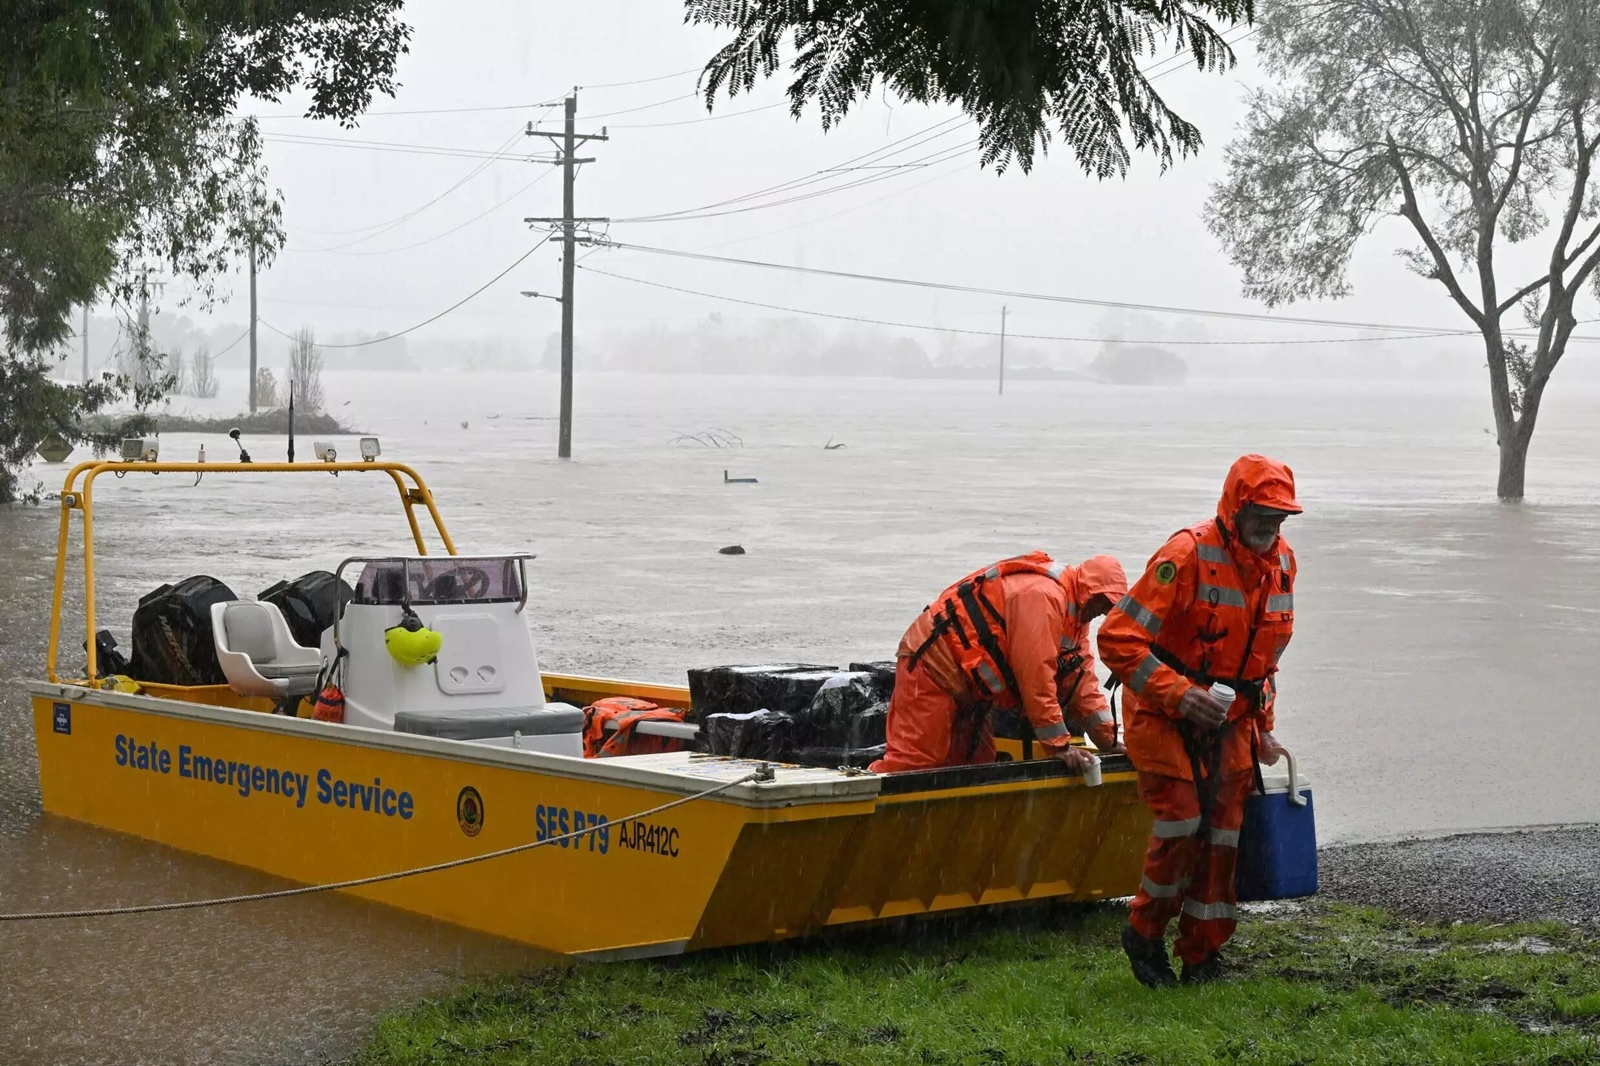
(1014, 636)
(1214, 606)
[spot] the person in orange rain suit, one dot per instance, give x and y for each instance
(1216, 603)
(1014, 635)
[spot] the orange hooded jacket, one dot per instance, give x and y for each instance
(1041, 627)
(1206, 609)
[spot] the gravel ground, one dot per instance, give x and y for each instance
(1526, 875)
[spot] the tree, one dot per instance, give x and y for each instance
(118, 148)
(204, 375)
(1016, 66)
(305, 370)
(1476, 122)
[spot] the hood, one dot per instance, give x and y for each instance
(1259, 480)
(1101, 575)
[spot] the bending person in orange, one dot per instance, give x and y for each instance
(1215, 604)
(1013, 636)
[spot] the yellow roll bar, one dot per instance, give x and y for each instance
(75, 498)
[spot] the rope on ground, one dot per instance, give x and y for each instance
(306, 890)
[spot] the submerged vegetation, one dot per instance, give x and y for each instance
(1319, 983)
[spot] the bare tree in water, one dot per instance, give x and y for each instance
(1476, 122)
(305, 370)
(203, 379)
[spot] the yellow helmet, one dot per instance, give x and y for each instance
(412, 643)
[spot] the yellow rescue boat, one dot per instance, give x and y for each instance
(476, 751)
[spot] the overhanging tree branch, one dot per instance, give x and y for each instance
(1412, 213)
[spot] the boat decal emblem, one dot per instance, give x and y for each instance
(469, 811)
(63, 718)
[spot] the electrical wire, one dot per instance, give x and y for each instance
(928, 133)
(438, 236)
(1051, 298)
(1010, 335)
(396, 148)
(412, 329)
(233, 345)
(497, 107)
(696, 121)
(380, 228)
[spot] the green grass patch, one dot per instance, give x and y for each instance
(1323, 984)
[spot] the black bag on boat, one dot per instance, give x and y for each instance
(847, 711)
(783, 687)
(172, 639)
(756, 735)
(882, 676)
(310, 603)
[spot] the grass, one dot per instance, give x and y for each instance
(1319, 984)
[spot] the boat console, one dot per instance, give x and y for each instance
(483, 684)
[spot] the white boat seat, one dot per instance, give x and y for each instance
(258, 654)
(483, 723)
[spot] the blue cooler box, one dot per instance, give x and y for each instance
(1278, 843)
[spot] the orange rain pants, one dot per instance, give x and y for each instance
(926, 727)
(1188, 870)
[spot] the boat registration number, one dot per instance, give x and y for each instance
(579, 830)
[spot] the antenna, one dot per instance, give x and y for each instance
(291, 420)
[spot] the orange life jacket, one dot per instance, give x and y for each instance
(1221, 638)
(970, 624)
(627, 713)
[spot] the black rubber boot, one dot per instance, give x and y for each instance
(1151, 967)
(1203, 972)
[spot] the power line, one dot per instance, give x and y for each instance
(644, 107)
(929, 133)
(436, 237)
(1048, 297)
(392, 147)
(696, 121)
(234, 345)
(494, 107)
(383, 227)
(996, 333)
(412, 329)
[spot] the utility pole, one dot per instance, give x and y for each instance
(141, 366)
(252, 325)
(1002, 350)
(86, 344)
(570, 139)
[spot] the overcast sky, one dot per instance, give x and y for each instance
(1052, 231)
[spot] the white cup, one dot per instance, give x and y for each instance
(1091, 776)
(1222, 694)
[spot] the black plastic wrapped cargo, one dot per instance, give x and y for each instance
(783, 687)
(754, 735)
(848, 710)
(172, 639)
(882, 676)
(310, 603)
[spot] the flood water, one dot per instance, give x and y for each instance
(1436, 680)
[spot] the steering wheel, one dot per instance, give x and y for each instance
(474, 582)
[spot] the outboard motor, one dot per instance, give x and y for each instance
(310, 604)
(172, 638)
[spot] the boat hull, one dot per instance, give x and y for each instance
(317, 803)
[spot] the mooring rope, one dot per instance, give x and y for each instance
(306, 890)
